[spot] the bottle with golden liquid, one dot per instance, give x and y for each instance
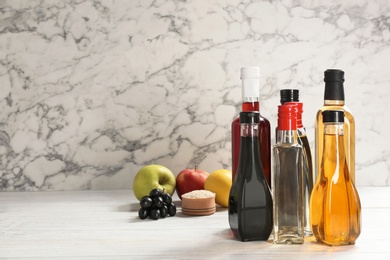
(335, 100)
(334, 204)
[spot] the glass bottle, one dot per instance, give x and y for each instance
(288, 180)
(308, 175)
(335, 204)
(250, 199)
(335, 100)
(250, 79)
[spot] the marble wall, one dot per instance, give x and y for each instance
(93, 90)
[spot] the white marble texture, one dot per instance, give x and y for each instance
(92, 90)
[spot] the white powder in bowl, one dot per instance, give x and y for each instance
(198, 194)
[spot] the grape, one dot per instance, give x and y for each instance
(155, 193)
(172, 209)
(157, 205)
(158, 202)
(143, 213)
(146, 202)
(154, 214)
(167, 198)
(164, 211)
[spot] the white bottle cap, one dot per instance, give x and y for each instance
(250, 84)
(250, 73)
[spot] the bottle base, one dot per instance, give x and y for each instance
(289, 240)
(308, 233)
(338, 243)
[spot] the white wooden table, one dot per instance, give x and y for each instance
(105, 224)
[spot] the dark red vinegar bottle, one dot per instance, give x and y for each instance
(250, 78)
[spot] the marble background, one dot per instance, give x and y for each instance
(93, 90)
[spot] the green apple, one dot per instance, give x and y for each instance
(151, 177)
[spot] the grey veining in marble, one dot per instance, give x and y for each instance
(93, 90)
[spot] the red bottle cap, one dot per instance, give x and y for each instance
(287, 117)
(299, 106)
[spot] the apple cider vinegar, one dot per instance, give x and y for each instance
(335, 204)
(334, 100)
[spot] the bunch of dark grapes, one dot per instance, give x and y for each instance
(157, 205)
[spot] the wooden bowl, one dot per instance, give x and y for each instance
(198, 203)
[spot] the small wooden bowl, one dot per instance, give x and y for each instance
(198, 203)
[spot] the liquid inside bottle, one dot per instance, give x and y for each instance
(250, 102)
(308, 174)
(335, 100)
(288, 181)
(250, 199)
(335, 204)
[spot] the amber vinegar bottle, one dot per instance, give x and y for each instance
(335, 204)
(334, 99)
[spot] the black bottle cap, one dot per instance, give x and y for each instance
(333, 75)
(333, 116)
(249, 117)
(289, 95)
(334, 84)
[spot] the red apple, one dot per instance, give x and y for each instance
(190, 179)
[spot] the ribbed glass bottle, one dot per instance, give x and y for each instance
(335, 100)
(335, 205)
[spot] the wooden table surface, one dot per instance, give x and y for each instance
(105, 225)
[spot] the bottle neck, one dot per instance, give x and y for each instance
(334, 129)
(249, 130)
(333, 156)
(287, 137)
(250, 106)
(328, 102)
(334, 90)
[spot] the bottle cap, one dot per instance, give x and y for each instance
(333, 116)
(250, 73)
(334, 84)
(299, 106)
(334, 75)
(287, 117)
(250, 84)
(289, 95)
(249, 117)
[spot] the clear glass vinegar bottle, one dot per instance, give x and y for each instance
(288, 180)
(250, 207)
(334, 100)
(250, 80)
(308, 174)
(335, 210)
